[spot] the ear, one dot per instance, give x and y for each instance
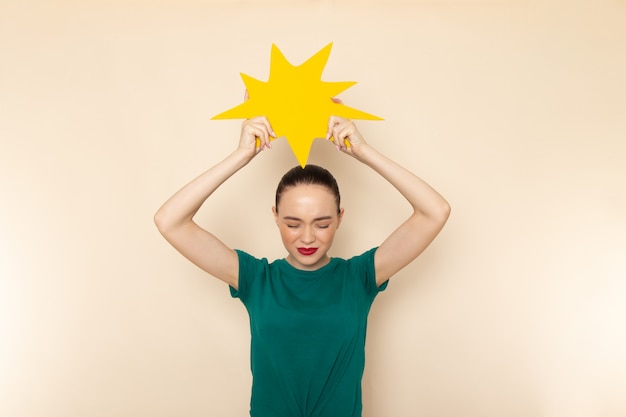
(275, 213)
(339, 218)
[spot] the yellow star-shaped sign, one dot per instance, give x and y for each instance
(296, 101)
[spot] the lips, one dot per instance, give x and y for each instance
(307, 251)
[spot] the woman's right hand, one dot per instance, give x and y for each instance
(256, 135)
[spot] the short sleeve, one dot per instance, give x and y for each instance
(247, 266)
(366, 269)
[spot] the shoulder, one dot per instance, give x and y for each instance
(250, 265)
(248, 260)
(252, 270)
(246, 257)
(365, 259)
(360, 265)
(364, 267)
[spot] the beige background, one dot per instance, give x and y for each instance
(514, 110)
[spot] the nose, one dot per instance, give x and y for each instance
(308, 236)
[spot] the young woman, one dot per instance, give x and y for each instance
(308, 311)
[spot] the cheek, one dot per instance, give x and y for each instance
(287, 233)
(327, 234)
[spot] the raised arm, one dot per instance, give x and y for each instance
(175, 217)
(430, 209)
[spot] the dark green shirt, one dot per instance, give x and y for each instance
(308, 334)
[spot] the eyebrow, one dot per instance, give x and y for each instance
(315, 220)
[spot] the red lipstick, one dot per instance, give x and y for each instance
(307, 251)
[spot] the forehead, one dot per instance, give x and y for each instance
(310, 198)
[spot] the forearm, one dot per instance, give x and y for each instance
(425, 200)
(184, 204)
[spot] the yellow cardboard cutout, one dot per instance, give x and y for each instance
(296, 101)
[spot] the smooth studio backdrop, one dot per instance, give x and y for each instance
(513, 110)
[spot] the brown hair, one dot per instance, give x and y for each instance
(310, 174)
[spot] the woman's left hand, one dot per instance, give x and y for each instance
(345, 135)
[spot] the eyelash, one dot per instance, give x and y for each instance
(295, 226)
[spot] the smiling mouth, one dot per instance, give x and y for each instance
(307, 251)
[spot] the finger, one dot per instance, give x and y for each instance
(268, 126)
(256, 133)
(267, 136)
(333, 121)
(265, 142)
(329, 128)
(338, 136)
(332, 136)
(339, 133)
(262, 136)
(263, 124)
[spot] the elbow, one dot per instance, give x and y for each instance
(158, 220)
(442, 213)
(445, 210)
(168, 224)
(161, 222)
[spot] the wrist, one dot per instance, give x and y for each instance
(241, 157)
(363, 152)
